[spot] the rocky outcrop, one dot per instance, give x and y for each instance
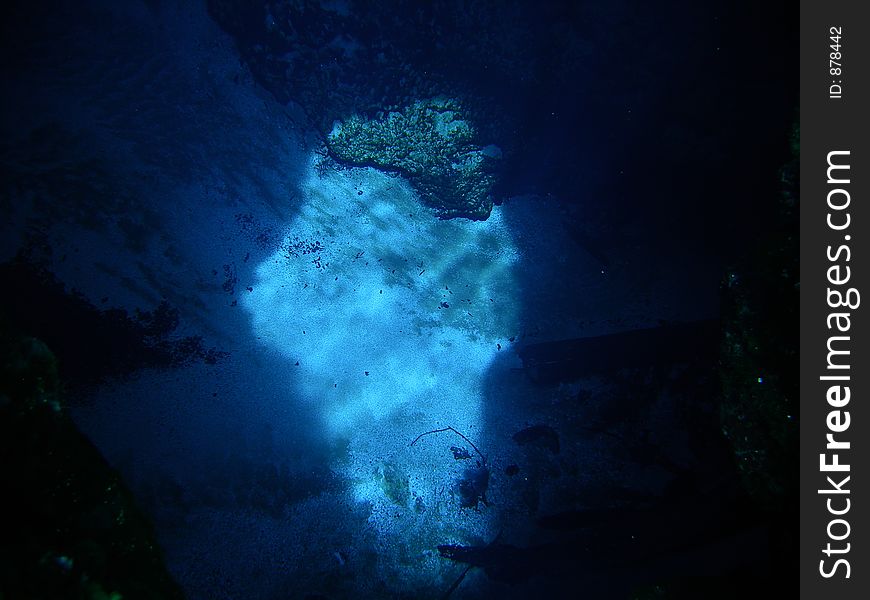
(432, 145)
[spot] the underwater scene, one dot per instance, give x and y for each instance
(396, 299)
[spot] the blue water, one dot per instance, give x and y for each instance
(145, 162)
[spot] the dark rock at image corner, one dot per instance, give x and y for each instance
(70, 526)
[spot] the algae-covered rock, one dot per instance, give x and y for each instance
(71, 528)
(432, 145)
(759, 358)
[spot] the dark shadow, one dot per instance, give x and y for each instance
(640, 487)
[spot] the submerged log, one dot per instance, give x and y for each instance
(566, 360)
